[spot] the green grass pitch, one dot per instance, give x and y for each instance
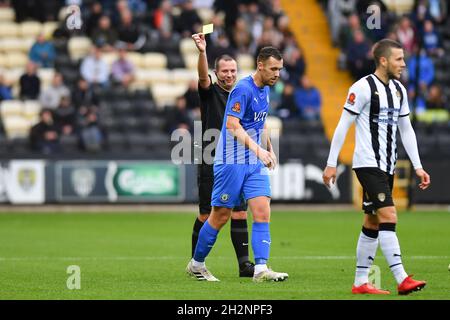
(143, 256)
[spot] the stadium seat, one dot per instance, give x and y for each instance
(7, 14)
(274, 126)
(3, 61)
(136, 59)
(154, 60)
(11, 108)
(48, 28)
(165, 94)
(11, 44)
(79, 47)
(31, 109)
(183, 76)
(69, 143)
(245, 61)
(46, 75)
(13, 75)
(174, 60)
(16, 59)
(30, 29)
(110, 57)
(9, 29)
(19, 144)
(116, 141)
(162, 76)
(16, 126)
(190, 60)
(188, 46)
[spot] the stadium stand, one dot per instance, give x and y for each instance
(164, 58)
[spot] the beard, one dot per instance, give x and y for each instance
(391, 75)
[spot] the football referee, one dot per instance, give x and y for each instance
(213, 98)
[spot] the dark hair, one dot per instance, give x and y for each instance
(383, 49)
(224, 57)
(267, 52)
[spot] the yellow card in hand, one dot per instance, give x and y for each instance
(208, 28)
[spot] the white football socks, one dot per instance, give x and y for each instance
(365, 255)
(391, 249)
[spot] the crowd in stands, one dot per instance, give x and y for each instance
(93, 100)
(74, 104)
(421, 30)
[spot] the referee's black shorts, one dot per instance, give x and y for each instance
(377, 188)
(205, 180)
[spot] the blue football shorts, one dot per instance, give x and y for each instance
(232, 180)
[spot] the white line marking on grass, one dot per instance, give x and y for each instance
(149, 258)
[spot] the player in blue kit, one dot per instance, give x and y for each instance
(243, 156)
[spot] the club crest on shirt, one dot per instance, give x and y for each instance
(236, 107)
(224, 197)
(351, 99)
(399, 95)
(381, 197)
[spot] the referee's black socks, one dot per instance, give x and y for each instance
(195, 231)
(239, 237)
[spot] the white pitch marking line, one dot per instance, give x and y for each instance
(137, 258)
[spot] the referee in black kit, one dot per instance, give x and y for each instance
(213, 98)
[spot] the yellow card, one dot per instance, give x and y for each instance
(208, 28)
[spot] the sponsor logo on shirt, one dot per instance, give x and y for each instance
(236, 107)
(351, 99)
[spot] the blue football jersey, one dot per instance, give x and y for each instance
(250, 104)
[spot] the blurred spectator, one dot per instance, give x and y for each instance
(338, 11)
(193, 99)
(92, 135)
(5, 89)
(308, 100)
(104, 35)
(163, 19)
(94, 70)
(122, 70)
(43, 52)
(222, 47)
(138, 8)
(359, 56)
(129, 32)
(51, 97)
(82, 96)
(438, 10)
(242, 37)
(93, 17)
(189, 21)
(426, 67)
(406, 35)
(65, 117)
(294, 65)
(435, 99)
(288, 108)
(30, 84)
(254, 20)
(178, 117)
(431, 40)
(347, 31)
(44, 136)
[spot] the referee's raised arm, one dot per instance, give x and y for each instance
(202, 65)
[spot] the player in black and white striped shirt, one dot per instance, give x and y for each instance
(379, 105)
